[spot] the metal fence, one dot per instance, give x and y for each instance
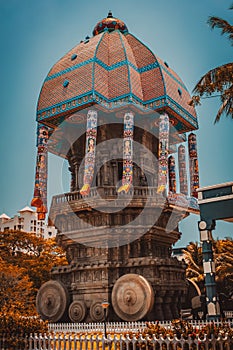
(122, 327)
(71, 341)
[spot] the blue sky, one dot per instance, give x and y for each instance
(36, 34)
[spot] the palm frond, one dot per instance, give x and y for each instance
(216, 80)
(220, 111)
(226, 27)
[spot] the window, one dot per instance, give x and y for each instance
(73, 57)
(86, 39)
(66, 83)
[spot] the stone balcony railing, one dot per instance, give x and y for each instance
(102, 197)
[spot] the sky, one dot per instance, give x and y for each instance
(36, 34)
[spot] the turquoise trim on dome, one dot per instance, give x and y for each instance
(127, 63)
(95, 59)
(67, 70)
(173, 77)
(132, 99)
(105, 66)
(183, 113)
(58, 105)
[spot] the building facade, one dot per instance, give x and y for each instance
(27, 220)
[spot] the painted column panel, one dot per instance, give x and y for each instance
(193, 165)
(183, 180)
(127, 177)
(163, 152)
(172, 174)
(40, 190)
(91, 134)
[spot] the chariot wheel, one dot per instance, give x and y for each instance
(97, 312)
(132, 297)
(52, 301)
(77, 311)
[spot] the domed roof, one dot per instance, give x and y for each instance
(113, 68)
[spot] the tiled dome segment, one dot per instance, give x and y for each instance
(53, 91)
(143, 56)
(118, 82)
(101, 77)
(152, 84)
(83, 51)
(115, 48)
(135, 83)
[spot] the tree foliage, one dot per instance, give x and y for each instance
(25, 264)
(35, 255)
(218, 80)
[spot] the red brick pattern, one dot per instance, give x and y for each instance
(102, 51)
(152, 84)
(83, 52)
(136, 84)
(101, 80)
(115, 50)
(54, 92)
(182, 99)
(118, 82)
(143, 56)
(129, 51)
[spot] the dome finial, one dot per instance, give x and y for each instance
(110, 14)
(110, 24)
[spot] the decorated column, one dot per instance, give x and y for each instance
(40, 190)
(163, 152)
(182, 170)
(172, 174)
(193, 165)
(127, 177)
(91, 134)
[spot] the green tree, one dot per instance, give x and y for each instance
(218, 80)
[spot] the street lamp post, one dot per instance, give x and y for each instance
(105, 304)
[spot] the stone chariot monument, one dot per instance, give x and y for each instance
(120, 118)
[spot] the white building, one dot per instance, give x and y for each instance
(27, 220)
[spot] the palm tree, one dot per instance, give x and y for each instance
(218, 81)
(224, 265)
(223, 257)
(194, 260)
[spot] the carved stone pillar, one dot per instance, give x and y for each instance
(167, 306)
(158, 308)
